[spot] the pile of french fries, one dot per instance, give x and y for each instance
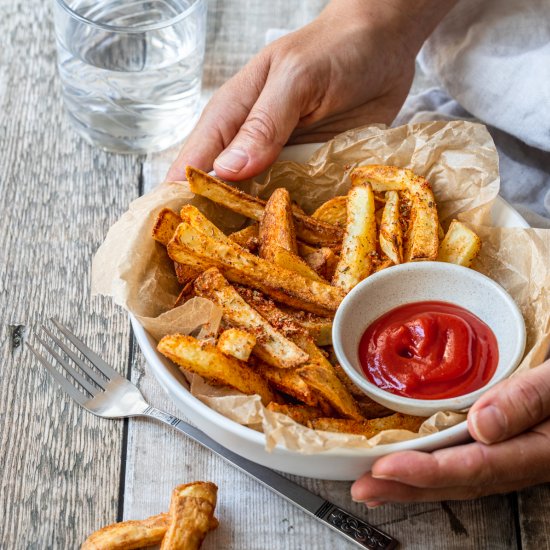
(184, 527)
(280, 280)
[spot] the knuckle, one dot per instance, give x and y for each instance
(260, 126)
(526, 399)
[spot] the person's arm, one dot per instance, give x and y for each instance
(511, 428)
(351, 66)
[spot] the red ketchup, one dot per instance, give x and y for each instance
(429, 350)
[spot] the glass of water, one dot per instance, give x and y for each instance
(131, 69)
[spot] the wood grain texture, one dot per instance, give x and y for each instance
(534, 514)
(59, 465)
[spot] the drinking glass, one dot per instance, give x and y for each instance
(131, 70)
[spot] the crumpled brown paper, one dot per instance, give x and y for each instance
(460, 161)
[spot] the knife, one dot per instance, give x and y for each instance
(349, 526)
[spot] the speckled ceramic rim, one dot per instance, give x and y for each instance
(360, 292)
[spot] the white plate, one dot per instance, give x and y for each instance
(337, 464)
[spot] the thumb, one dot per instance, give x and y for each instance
(263, 134)
(512, 407)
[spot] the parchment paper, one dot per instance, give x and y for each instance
(460, 161)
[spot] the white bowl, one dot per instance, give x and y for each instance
(336, 464)
(418, 282)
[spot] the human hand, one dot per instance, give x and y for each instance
(353, 65)
(511, 428)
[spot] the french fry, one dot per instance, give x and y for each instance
(391, 236)
(210, 363)
(276, 226)
(368, 428)
(271, 346)
(289, 382)
(288, 321)
(422, 239)
(323, 261)
(194, 217)
(319, 374)
(165, 225)
(185, 273)
(288, 260)
(237, 343)
(278, 236)
(333, 211)
(359, 244)
(307, 228)
(368, 407)
(200, 250)
(128, 535)
(460, 245)
(299, 413)
(191, 516)
(247, 237)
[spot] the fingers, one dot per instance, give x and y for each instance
(264, 132)
(221, 119)
(374, 492)
(512, 406)
(466, 471)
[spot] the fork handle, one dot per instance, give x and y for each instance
(349, 526)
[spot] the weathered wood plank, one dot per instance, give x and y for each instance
(534, 514)
(60, 466)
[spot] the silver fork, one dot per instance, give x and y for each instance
(105, 393)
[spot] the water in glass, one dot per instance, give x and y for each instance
(131, 82)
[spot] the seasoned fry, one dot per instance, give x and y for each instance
(236, 342)
(333, 211)
(247, 237)
(289, 382)
(276, 226)
(299, 413)
(391, 236)
(128, 535)
(307, 228)
(191, 516)
(293, 262)
(200, 250)
(288, 321)
(460, 245)
(210, 363)
(185, 273)
(271, 345)
(422, 240)
(165, 225)
(359, 244)
(319, 374)
(319, 328)
(323, 261)
(368, 428)
(368, 407)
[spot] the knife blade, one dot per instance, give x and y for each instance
(351, 527)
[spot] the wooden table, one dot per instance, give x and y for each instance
(65, 473)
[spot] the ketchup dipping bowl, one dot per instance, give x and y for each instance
(421, 282)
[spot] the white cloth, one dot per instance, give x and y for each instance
(492, 57)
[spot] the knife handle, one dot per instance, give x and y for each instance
(353, 528)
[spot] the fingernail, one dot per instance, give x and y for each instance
(374, 504)
(488, 425)
(384, 476)
(232, 160)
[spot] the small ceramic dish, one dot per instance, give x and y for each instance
(423, 281)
